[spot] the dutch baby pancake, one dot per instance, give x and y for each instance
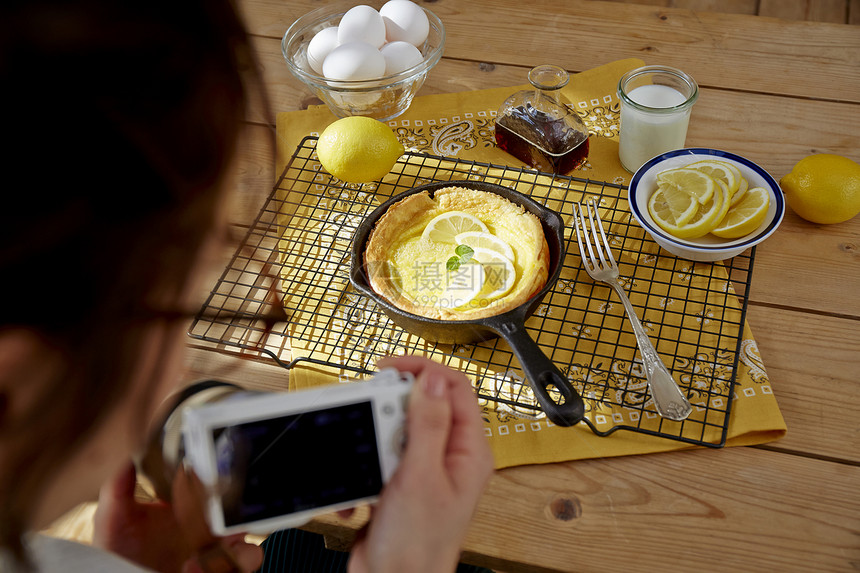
(461, 254)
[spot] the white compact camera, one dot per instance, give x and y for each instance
(274, 460)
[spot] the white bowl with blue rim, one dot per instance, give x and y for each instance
(710, 247)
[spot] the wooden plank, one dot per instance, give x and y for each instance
(738, 509)
(833, 11)
(810, 266)
(253, 175)
(747, 47)
(854, 12)
(812, 363)
(724, 6)
(783, 9)
(249, 372)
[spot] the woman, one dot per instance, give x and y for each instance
(122, 120)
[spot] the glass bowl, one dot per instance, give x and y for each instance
(708, 248)
(382, 99)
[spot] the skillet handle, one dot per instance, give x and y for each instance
(543, 375)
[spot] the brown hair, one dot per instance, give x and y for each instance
(122, 117)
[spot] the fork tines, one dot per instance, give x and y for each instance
(593, 235)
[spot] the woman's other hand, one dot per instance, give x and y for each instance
(167, 537)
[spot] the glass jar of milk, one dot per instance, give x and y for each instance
(656, 102)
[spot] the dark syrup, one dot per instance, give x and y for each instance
(544, 143)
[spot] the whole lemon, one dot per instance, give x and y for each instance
(823, 188)
(358, 149)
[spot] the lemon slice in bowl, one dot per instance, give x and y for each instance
(682, 205)
(697, 183)
(706, 218)
(720, 170)
(499, 272)
(743, 187)
(445, 227)
(485, 241)
(746, 216)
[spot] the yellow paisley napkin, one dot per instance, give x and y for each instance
(461, 125)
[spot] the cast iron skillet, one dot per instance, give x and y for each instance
(541, 373)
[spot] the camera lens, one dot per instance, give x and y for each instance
(165, 449)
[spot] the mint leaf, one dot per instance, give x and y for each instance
(453, 264)
(465, 252)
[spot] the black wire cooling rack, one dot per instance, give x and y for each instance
(285, 297)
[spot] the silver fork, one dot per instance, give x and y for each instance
(668, 399)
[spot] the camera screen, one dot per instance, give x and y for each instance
(297, 462)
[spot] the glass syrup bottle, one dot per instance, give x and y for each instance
(537, 128)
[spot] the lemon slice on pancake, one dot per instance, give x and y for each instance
(446, 227)
(488, 276)
(462, 286)
(485, 241)
(499, 272)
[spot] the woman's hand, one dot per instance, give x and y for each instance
(423, 513)
(167, 538)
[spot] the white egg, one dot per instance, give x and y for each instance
(405, 21)
(362, 24)
(400, 56)
(354, 61)
(320, 46)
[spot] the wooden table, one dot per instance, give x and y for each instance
(771, 90)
